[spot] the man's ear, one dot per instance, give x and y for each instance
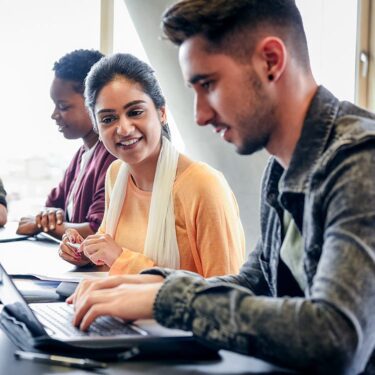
(273, 56)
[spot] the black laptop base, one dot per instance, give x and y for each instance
(181, 349)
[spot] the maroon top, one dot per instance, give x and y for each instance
(88, 201)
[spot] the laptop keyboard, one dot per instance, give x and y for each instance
(57, 317)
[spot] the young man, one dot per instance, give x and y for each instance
(306, 296)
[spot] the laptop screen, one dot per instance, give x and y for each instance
(13, 302)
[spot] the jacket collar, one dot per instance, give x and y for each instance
(317, 127)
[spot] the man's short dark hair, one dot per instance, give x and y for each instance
(74, 66)
(230, 26)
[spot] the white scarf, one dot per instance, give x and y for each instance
(161, 241)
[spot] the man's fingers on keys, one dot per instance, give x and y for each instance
(82, 289)
(70, 299)
(94, 312)
(84, 304)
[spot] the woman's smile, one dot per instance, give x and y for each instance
(129, 143)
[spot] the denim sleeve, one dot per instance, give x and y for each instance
(332, 330)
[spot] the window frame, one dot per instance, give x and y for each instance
(365, 65)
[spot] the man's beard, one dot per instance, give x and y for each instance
(250, 146)
(260, 119)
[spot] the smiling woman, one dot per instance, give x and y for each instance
(161, 207)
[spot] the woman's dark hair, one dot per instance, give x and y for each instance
(74, 66)
(129, 67)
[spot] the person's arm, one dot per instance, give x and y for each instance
(51, 220)
(84, 229)
(3, 215)
(331, 330)
(3, 205)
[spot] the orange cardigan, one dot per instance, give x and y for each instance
(209, 232)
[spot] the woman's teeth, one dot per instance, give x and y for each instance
(129, 142)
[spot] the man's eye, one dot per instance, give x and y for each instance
(206, 85)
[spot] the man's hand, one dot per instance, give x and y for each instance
(88, 286)
(115, 296)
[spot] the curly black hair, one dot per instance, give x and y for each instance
(74, 66)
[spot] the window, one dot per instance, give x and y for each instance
(33, 35)
(331, 35)
(365, 88)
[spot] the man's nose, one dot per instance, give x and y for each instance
(203, 111)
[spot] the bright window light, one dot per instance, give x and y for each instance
(33, 35)
(331, 36)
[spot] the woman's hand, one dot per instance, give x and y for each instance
(71, 253)
(114, 298)
(101, 249)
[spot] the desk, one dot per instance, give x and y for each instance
(231, 363)
(30, 256)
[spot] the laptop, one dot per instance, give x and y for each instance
(52, 322)
(8, 233)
